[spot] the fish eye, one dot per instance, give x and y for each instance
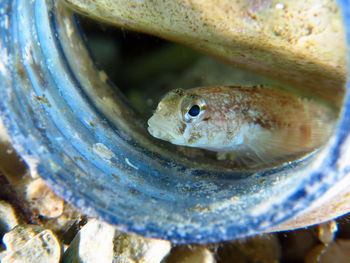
(192, 108)
(194, 111)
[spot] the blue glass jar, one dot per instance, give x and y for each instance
(73, 128)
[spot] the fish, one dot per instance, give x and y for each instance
(251, 124)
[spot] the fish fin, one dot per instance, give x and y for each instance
(276, 151)
(244, 159)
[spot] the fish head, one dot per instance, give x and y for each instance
(178, 118)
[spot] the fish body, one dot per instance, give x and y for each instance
(263, 122)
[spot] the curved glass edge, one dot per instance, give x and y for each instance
(321, 179)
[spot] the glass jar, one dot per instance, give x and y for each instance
(76, 130)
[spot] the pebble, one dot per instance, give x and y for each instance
(190, 254)
(335, 252)
(297, 244)
(327, 231)
(31, 244)
(8, 218)
(66, 225)
(43, 200)
(93, 243)
(261, 248)
(20, 235)
(131, 248)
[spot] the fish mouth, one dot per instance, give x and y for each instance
(151, 124)
(158, 131)
(160, 134)
(154, 132)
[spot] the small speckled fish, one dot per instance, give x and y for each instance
(264, 123)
